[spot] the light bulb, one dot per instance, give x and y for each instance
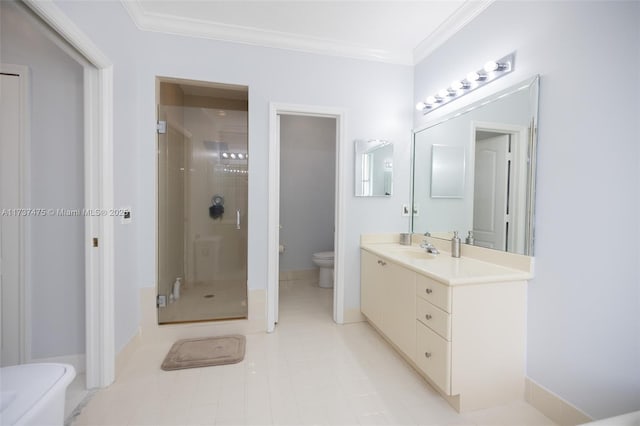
(233, 155)
(431, 100)
(491, 66)
(420, 106)
(443, 93)
(456, 85)
(225, 155)
(240, 156)
(473, 76)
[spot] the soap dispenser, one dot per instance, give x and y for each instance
(455, 245)
(469, 239)
(176, 288)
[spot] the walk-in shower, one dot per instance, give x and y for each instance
(202, 201)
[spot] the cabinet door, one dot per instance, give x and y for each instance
(371, 287)
(433, 357)
(399, 319)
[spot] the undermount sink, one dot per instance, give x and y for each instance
(412, 252)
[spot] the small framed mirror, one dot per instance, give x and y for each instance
(373, 168)
(447, 171)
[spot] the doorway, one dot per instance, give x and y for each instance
(13, 147)
(98, 191)
(42, 194)
(307, 214)
(277, 110)
(202, 201)
(499, 203)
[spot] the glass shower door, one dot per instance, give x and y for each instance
(202, 213)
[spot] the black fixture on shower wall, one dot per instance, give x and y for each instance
(216, 210)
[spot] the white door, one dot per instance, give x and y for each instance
(10, 222)
(490, 199)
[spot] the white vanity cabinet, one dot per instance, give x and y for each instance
(371, 293)
(433, 331)
(385, 298)
(465, 334)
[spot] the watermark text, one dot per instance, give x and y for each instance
(25, 212)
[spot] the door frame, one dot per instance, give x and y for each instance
(273, 270)
(519, 152)
(98, 175)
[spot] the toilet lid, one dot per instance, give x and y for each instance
(324, 255)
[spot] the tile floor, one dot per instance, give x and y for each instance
(310, 371)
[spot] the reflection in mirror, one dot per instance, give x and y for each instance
(447, 171)
(495, 187)
(374, 168)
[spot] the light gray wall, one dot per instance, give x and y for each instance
(57, 176)
(307, 189)
(377, 98)
(583, 324)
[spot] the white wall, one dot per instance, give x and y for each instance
(583, 323)
(376, 96)
(307, 189)
(57, 176)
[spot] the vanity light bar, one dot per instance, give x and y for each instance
(234, 155)
(235, 171)
(491, 71)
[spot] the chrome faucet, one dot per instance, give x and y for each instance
(430, 248)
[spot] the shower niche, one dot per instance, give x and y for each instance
(202, 200)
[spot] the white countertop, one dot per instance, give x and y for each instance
(443, 267)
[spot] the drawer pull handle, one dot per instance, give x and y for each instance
(428, 316)
(427, 354)
(381, 262)
(429, 291)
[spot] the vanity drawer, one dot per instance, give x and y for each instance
(433, 357)
(434, 318)
(434, 292)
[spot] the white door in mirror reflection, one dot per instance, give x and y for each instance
(491, 192)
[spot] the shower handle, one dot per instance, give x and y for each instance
(238, 219)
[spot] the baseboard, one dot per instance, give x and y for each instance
(78, 361)
(301, 274)
(552, 406)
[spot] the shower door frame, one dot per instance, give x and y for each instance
(273, 270)
(200, 84)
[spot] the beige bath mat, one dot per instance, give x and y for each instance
(204, 352)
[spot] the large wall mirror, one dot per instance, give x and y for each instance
(374, 168)
(490, 153)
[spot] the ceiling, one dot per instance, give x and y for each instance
(394, 31)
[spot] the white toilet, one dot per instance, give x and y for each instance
(324, 260)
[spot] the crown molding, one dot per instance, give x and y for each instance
(69, 31)
(171, 24)
(461, 17)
